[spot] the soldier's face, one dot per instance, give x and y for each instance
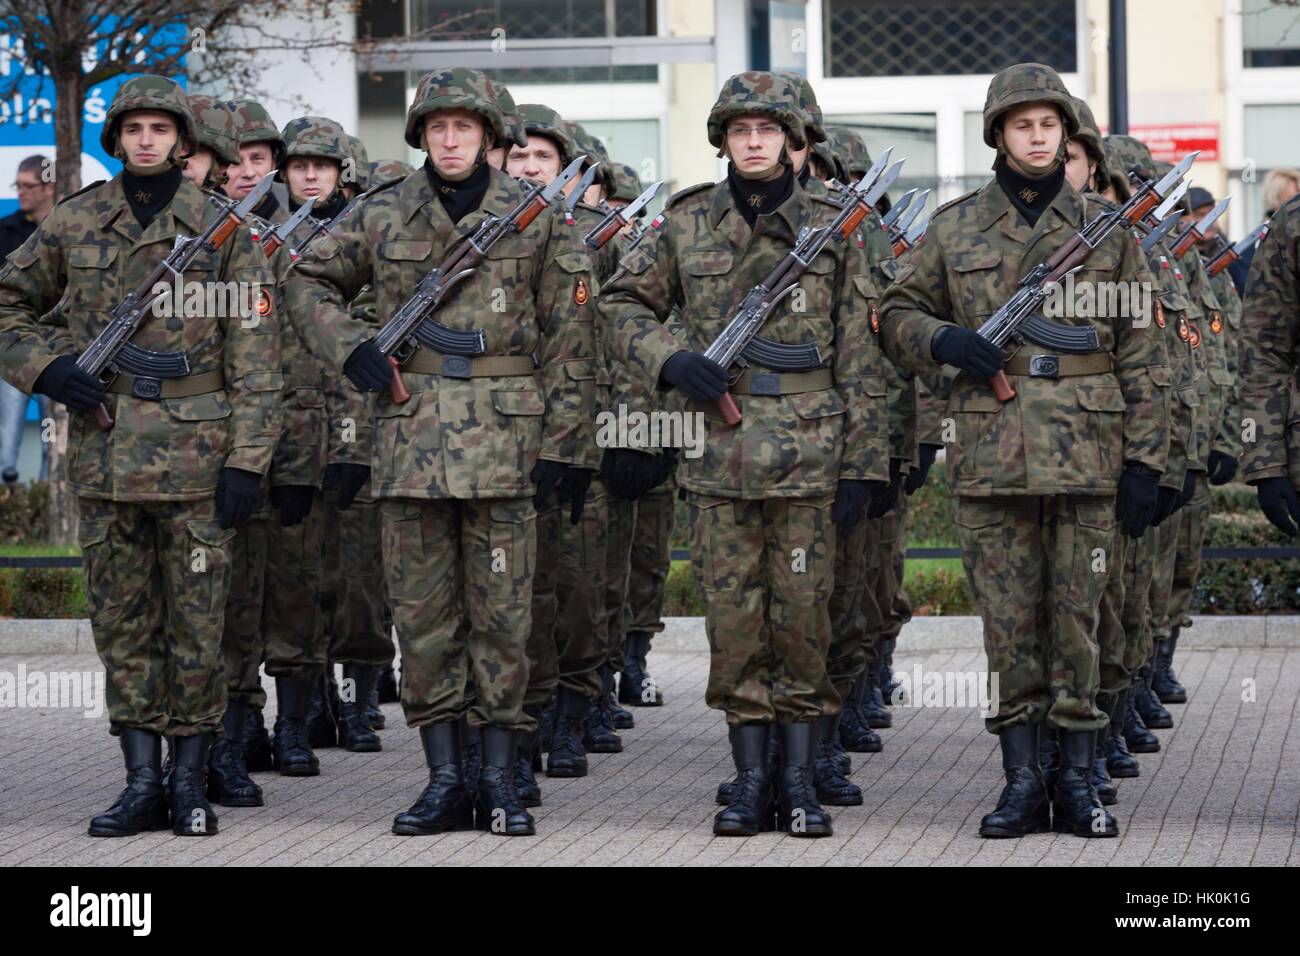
(453, 139)
(310, 177)
(1078, 167)
(255, 161)
(539, 160)
(1032, 135)
(754, 144)
(197, 167)
(147, 137)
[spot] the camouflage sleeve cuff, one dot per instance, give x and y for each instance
(254, 458)
(24, 376)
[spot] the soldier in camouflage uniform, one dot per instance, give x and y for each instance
(1270, 328)
(455, 466)
(811, 451)
(354, 178)
(217, 131)
(1037, 476)
(161, 492)
(260, 150)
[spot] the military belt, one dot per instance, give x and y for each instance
(1057, 366)
(428, 362)
(782, 383)
(155, 389)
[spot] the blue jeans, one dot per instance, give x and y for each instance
(13, 407)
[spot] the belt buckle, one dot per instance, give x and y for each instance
(1044, 366)
(455, 366)
(765, 383)
(149, 389)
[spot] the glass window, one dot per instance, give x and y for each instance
(947, 37)
(913, 137)
(635, 142)
(1270, 144)
(381, 114)
(979, 158)
(1270, 33)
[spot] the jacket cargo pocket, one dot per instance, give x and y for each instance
(1101, 451)
(394, 452)
(978, 419)
(517, 435)
(199, 436)
(814, 440)
(207, 567)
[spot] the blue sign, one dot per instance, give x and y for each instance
(27, 116)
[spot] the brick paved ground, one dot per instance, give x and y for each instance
(1225, 789)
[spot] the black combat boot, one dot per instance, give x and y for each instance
(143, 804)
(750, 808)
(855, 732)
(355, 732)
(1101, 781)
(472, 753)
(598, 734)
(833, 787)
(1148, 704)
(797, 810)
(1163, 681)
(373, 714)
(1049, 757)
(546, 728)
(257, 743)
(228, 781)
(1119, 762)
(1023, 807)
(192, 815)
(623, 719)
(323, 712)
(727, 789)
(1076, 807)
(526, 787)
(635, 686)
(567, 757)
(873, 704)
(1139, 739)
(496, 805)
(888, 684)
(387, 684)
(291, 750)
(445, 803)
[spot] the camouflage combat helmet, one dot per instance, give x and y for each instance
(254, 125)
(458, 88)
(510, 114)
(215, 128)
(150, 92)
(813, 121)
(769, 94)
(316, 136)
(850, 150)
(539, 120)
(387, 170)
(358, 173)
(595, 151)
(1089, 136)
(1129, 152)
(627, 184)
(1027, 83)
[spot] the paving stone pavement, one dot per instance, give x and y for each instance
(1224, 790)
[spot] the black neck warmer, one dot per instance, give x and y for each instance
(267, 208)
(463, 196)
(329, 208)
(148, 195)
(1029, 196)
(754, 198)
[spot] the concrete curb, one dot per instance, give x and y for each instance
(686, 634)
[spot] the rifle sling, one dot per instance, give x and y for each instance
(428, 362)
(153, 389)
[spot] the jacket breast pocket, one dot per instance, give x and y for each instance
(977, 282)
(706, 281)
(92, 276)
(816, 292)
(401, 264)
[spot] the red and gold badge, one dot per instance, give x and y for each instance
(1194, 335)
(1160, 314)
(1184, 332)
(580, 293)
(263, 302)
(875, 319)
(1216, 324)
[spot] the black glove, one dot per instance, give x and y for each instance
(967, 350)
(573, 489)
(1189, 489)
(367, 368)
(628, 473)
(1277, 499)
(69, 385)
(665, 466)
(850, 503)
(1222, 468)
(237, 494)
(1166, 504)
(916, 479)
(885, 494)
(546, 475)
(350, 478)
(1135, 504)
(701, 378)
(293, 502)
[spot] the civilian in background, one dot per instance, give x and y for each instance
(1279, 186)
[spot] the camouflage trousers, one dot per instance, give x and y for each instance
(273, 609)
(854, 613)
(765, 568)
(353, 605)
(459, 574)
(156, 580)
(1124, 634)
(895, 606)
(568, 639)
(1032, 564)
(639, 559)
(1176, 613)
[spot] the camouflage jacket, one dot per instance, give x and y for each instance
(1068, 435)
(702, 262)
(1212, 380)
(1270, 335)
(55, 293)
(1178, 313)
(455, 438)
(1228, 438)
